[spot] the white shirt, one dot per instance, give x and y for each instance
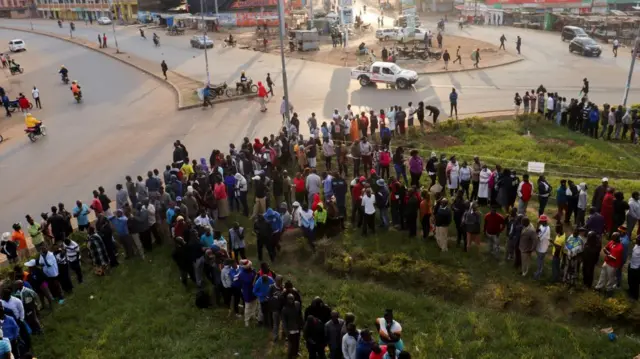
(368, 204)
(635, 257)
(36, 93)
(15, 305)
(72, 250)
(151, 210)
(349, 344)
(199, 221)
(550, 103)
(543, 243)
(616, 43)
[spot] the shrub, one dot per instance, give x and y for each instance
(595, 305)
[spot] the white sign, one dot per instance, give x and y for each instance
(347, 16)
(535, 167)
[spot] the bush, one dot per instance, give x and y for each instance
(595, 305)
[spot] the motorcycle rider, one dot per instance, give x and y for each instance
(156, 39)
(75, 89)
(243, 81)
(32, 123)
(14, 66)
(206, 94)
(64, 72)
(230, 41)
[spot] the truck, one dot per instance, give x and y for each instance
(384, 72)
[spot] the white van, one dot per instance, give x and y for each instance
(17, 45)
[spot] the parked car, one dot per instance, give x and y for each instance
(400, 34)
(402, 21)
(201, 41)
(16, 45)
(570, 32)
(387, 34)
(104, 21)
(585, 46)
(384, 72)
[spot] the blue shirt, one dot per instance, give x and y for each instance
(170, 213)
(10, 328)
(206, 240)
(120, 225)
(83, 214)
(49, 265)
(624, 240)
(453, 98)
(5, 346)
(261, 289)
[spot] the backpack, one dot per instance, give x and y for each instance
(385, 158)
(203, 300)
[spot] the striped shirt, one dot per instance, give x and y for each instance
(73, 251)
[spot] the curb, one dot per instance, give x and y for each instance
(180, 105)
(217, 101)
(472, 69)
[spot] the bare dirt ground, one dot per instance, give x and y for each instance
(339, 56)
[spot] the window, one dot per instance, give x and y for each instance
(376, 70)
(387, 71)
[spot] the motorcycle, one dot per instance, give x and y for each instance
(78, 96)
(34, 132)
(405, 53)
(247, 87)
(220, 89)
(231, 43)
(156, 41)
(434, 54)
(13, 106)
(65, 78)
(16, 69)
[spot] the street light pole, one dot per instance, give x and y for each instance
(33, 7)
(311, 12)
(204, 39)
(285, 86)
(634, 54)
(113, 26)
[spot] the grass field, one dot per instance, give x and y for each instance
(451, 305)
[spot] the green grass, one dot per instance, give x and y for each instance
(451, 305)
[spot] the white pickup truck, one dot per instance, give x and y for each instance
(400, 34)
(384, 72)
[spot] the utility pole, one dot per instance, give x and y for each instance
(113, 26)
(216, 3)
(634, 54)
(32, 8)
(311, 7)
(285, 85)
(204, 39)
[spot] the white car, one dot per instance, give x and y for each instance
(386, 73)
(201, 41)
(104, 21)
(400, 34)
(17, 45)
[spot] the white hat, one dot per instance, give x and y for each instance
(6, 236)
(296, 204)
(31, 263)
(605, 179)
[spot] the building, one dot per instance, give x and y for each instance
(86, 9)
(15, 9)
(157, 5)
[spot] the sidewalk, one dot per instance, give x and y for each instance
(184, 87)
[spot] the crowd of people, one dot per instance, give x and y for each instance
(608, 122)
(190, 202)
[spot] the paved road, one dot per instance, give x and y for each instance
(321, 88)
(125, 125)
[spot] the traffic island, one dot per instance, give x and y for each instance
(183, 86)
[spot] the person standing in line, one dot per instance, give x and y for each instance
(494, 224)
(443, 217)
(446, 57)
(525, 191)
(369, 212)
(544, 237)
(291, 316)
(612, 261)
(633, 274)
(517, 101)
(36, 97)
(165, 68)
(453, 100)
(458, 57)
(528, 243)
(533, 100)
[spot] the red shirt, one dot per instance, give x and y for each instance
(356, 192)
(220, 191)
(23, 102)
(526, 189)
(493, 223)
(300, 185)
(97, 206)
(615, 250)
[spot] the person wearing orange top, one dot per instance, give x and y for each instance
(354, 131)
(18, 237)
(425, 214)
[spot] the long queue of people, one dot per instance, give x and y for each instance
(191, 202)
(608, 122)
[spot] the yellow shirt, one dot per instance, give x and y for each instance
(559, 241)
(31, 121)
(187, 170)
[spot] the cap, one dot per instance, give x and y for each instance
(605, 179)
(622, 228)
(380, 182)
(180, 218)
(372, 171)
(296, 204)
(543, 218)
(31, 263)
(179, 199)
(361, 179)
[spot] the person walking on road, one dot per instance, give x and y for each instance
(518, 44)
(36, 97)
(446, 57)
(262, 94)
(458, 57)
(5, 103)
(269, 84)
(502, 40)
(104, 40)
(475, 56)
(99, 40)
(616, 44)
(164, 68)
(453, 99)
